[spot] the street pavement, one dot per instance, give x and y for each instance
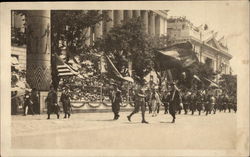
(99, 131)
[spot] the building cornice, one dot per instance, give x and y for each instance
(213, 48)
(162, 13)
(192, 39)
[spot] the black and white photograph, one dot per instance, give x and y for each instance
(163, 78)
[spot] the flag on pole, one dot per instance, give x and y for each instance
(178, 55)
(114, 72)
(212, 84)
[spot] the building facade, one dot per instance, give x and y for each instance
(18, 48)
(208, 47)
(35, 58)
(155, 22)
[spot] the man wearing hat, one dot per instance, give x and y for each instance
(51, 101)
(65, 99)
(117, 101)
(139, 103)
(175, 100)
(28, 104)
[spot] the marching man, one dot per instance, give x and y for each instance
(175, 100)
(139, 103)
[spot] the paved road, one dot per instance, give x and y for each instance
(98, 130)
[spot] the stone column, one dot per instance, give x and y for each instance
(99, 28)
(128, 14)
(108, 25)
(145, 20)
(88, 36)
(38, 49)
(166, 27)
(118, 17)
(136, 13)
(151, 28)
(157, 25)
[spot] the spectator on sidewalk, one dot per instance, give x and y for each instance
(35, 100)
(65, 100)
(28, 104)
(51, 100)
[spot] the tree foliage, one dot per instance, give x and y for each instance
(128, 42)
(229, 84)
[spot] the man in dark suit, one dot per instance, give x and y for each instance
(51, 100)
(175, 100)
(139, 103)
(65, 99)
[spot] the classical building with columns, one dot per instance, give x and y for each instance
(35, 56)
(155, 22)
(209, 48)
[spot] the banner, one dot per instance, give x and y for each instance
(177, 56)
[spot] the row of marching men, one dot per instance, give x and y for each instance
(199, 101)
(191, 101)
(174, 101)
(143, 98)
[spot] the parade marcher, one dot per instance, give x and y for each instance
(220, 103)
(35, 100)
(117, 101)
(28, 104)
(216, 104)
(212, 101)
(139, 103)
(235, 104)
(207, 103)
(199, 101)
(193, 102)
(165, 101)
(147, 101)
(230, 103)
(112, 99)
(186, 99)
(52, 106)
(65, 99)
(175, 101)
(225, 102)
(155, 101)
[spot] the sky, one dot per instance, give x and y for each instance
(228, 18)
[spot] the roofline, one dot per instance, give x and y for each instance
(217, 50)
(203, 43)
(163, 13)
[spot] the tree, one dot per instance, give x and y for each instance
(128, 42)
(69, 30)
(229, 84)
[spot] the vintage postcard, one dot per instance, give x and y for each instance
(146, 78)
